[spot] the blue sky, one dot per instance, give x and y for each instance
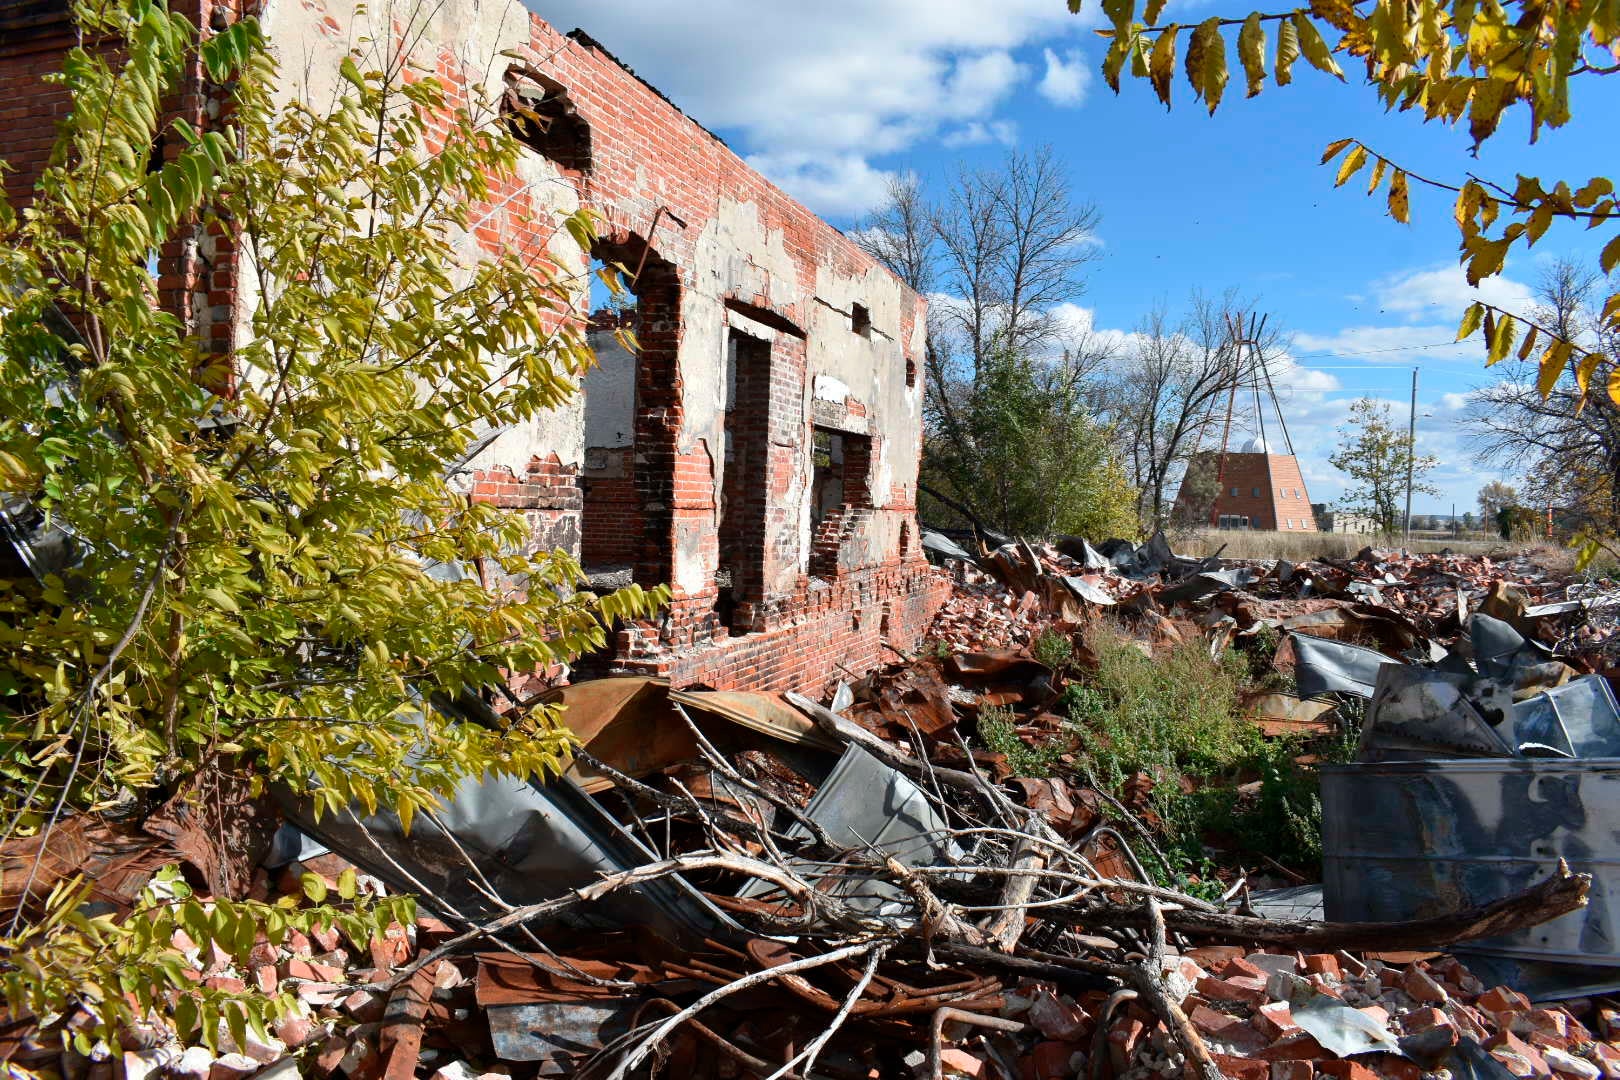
(830, 98)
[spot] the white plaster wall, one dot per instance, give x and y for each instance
(475, 32)
(872, 369)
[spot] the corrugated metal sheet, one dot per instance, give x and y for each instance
(1412, 839)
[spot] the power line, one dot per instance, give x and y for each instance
(1376, 352)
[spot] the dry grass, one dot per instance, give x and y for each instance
(1300, 546)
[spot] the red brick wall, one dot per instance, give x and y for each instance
(1290, 500)
(1269, 491)
(656, 178)
(848, 624)
(196, 269)
(547, 493)
(30, 109)
(611, 522)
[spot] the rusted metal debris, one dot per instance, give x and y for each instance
(746, 885)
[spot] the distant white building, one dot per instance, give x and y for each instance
(1341, 521)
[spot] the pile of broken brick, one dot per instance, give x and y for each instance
(757, 885)
(377, 1010)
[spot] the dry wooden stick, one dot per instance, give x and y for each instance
(1559, 894)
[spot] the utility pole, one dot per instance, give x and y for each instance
(1411, 455)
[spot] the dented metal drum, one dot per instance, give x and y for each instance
(1412, 839)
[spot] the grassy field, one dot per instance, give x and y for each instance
(1299, 546)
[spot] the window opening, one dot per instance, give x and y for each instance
(625, 479)
(540, 115)
(839, 498)
(860, 320)
(743, 496)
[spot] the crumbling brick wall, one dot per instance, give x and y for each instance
(712, 251)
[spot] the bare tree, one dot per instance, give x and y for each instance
(1015, 243)
(900, 234)
(1174, 377)
(1000, 255)
(1567, 444)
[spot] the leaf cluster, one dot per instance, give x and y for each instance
(275, 555)
(97, 976)
(1455, 61)
(274, 558)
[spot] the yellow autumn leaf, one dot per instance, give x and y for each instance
(1379, 165)
(1610, 255)
(1312, 45)
(1399, 199)
(1584, 370)
(1287, 51)
(1471, 320)
(1206, 62)
(1501, 340)
(1162, 64)
(1252, 51)
(1529, 343)
(1353, 161)
(1552, 367)
(1333, 149)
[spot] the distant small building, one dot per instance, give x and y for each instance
(1250, 489)
(1342, 521)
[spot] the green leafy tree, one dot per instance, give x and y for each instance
(275, 566)
(1030, 457)
(1494, 496)
(1008, 247)
(1374, 454)
(1517, 522)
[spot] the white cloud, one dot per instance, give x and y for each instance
(1443, 292)
(1291, 379)
(1067, 77)
(979, 132)
(1388, 344)
(843, 184)
(838, 80)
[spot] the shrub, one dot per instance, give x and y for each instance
(998, 732)
(270, 546)
(1167, 716)
(1176, 718)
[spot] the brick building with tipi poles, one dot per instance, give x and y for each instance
(1250, 486)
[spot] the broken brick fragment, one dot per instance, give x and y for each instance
(1502, 999)
(1123, 1040)
(1421, 987)
(1296, 1047)
(1050, 1059)
(1345, 1069)
(1325, 964)
(1248, 990)
(958, 1062)
(1059, 1019)
(1240, 1068)
(1293, 1070)
(1228, 1029)
(1274, 1019)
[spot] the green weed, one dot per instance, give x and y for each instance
(1053, 649)
(997, 732)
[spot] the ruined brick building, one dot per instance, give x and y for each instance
(759, 453)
